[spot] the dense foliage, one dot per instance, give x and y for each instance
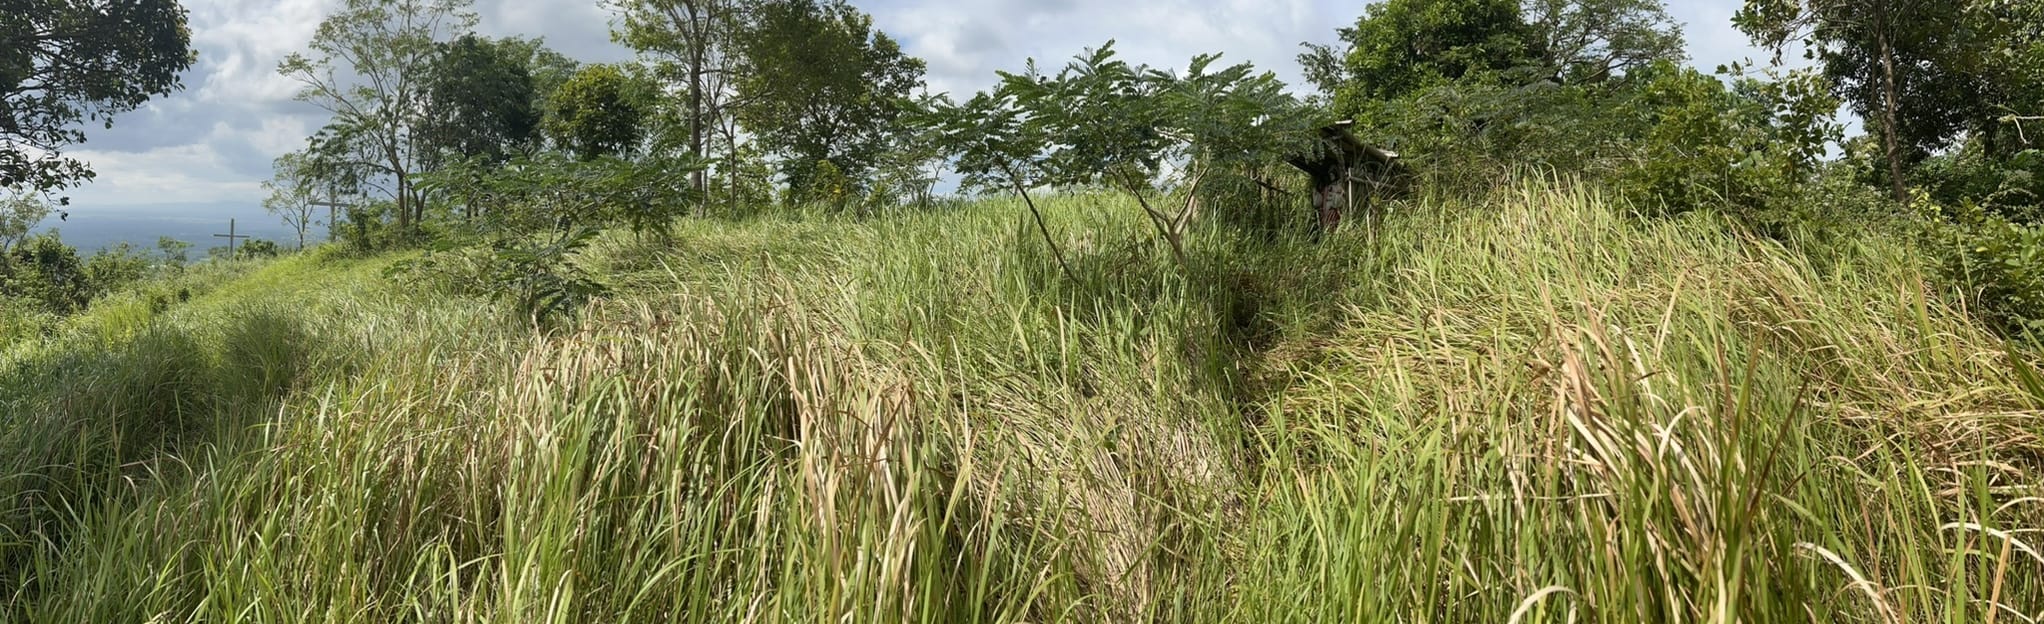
(819, 83)
(600, 111)
(64, 62)
(481, 101)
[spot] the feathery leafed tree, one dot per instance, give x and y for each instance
(371, 66)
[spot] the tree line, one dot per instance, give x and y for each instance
(438, 133)
(727, 95)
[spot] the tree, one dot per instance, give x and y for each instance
(997, 146)
(909, 169)
(374, 60)
(1593, 40)
(1102, 120)
(45, 269)
(19, 214)
(548, 68)
(1746, 150)
(293, 193)
(598, 112)
(175, 252)
(1399, 47)
(2005, 57)
(1905, 66)
(695, 42)
(67, 61)
(480, 102)
(818, 82)
(1127, 125)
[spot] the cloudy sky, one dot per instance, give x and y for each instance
(208, 149)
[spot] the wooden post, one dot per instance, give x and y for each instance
(230, 236)
(330, 206)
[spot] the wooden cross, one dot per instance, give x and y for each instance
(330, 205)
(230, 236)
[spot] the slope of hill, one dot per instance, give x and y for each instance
(1529, 408)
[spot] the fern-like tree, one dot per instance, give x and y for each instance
(996, 145)
(1145, 131)
(1149, 131)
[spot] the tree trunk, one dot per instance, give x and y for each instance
(697, 116)
(1041, 228)
(1890, 102)
(404, 205)
(731, 172)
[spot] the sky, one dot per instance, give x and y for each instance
(201, 154)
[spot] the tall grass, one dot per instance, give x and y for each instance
(1525, 408)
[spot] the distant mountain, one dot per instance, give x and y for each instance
(92, 228)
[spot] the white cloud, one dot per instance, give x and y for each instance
(966, 41)
(199, 174)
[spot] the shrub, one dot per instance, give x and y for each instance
(116, 267)
(1998, 263)
(1747, 151)
(2012, 188)
(45, 270)
(364, 228)
(256, 248)
(828, 186)
(537, 276)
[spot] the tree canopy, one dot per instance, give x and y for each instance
(63, 62)
(818, 82)
(600, 111)
(694, 45)
(1399, 47)
(480, 100)
(371, 67)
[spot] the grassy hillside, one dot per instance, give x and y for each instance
(1527, 408)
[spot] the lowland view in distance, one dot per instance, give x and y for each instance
(1008, 311)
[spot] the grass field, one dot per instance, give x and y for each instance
(1524, 408)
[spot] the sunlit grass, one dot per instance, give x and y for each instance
(1524, 408)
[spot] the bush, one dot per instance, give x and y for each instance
(116, 267)
(1998, 263)
(2012, 188)
(256, 248)
(45, 270)
(538, 277)
(365, 228)
(1748, 151)
(550, 191)
(828, 185)
(1463, 137)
